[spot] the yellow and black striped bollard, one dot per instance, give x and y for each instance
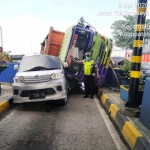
(137, 54)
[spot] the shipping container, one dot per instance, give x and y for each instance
(148, 57)
(145, 55)
(52, 43)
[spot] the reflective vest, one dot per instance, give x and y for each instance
(88, 65)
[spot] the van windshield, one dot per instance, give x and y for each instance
(39, 63)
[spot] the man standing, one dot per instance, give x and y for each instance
(4, 56)
(89, 71)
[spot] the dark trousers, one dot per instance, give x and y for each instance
(89, 83)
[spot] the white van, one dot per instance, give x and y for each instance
(39, 78)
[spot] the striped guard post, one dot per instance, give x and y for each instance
(137, 54)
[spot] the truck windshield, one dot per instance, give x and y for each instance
(39, 62)
(80, 44)
(83, 39)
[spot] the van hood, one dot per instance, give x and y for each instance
(40, 73)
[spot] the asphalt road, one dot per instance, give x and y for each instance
(79, 125)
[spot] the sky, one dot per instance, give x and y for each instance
(25, 23)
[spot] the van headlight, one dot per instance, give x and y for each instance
(22, 79)
(19, 79)
(55, 76)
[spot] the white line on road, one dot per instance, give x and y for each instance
(119, 144)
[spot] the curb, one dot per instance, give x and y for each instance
(5, 105)
(131, 134)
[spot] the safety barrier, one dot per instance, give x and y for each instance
(7, 74)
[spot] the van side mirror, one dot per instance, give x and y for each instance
(65, 64)
(15, 67)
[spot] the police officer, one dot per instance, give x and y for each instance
(89, 71)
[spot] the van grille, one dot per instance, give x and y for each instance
(37, 79)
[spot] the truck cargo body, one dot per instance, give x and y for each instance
(52, 43)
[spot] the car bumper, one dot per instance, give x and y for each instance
(22, 91)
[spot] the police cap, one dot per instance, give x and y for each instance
(87, 54)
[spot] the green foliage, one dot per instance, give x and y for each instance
(123, 31)
(126, 66)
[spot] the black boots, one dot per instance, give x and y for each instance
(86, 96)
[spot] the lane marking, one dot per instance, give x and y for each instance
(119, 144)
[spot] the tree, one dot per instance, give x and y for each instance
(123, 31)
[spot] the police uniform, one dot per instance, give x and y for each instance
(89, 71)
(89, 78)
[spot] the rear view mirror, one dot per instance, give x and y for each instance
(65, 64)
(15, 67)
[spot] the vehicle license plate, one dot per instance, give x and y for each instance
(37, 95)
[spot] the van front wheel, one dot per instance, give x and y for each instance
(65, 100)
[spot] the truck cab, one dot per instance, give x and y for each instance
(76, 42)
